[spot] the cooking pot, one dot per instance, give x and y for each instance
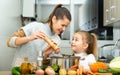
(65, 61)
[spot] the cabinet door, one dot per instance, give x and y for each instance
(106, 12)
(110, 11)
(118, 10)
(28, 8)
(113, 10)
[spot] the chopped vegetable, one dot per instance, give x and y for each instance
(55, 68)
(95, 66)
(108, 71)
(16, 70)
(44, 67)
(115, 64)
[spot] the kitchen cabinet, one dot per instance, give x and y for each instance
(28, 8)
(91, 19)
(118, 10)
(45, 7)
(89, 15)
(111, 12)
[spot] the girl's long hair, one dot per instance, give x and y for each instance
(91, 40)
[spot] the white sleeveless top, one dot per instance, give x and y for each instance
(88, 59)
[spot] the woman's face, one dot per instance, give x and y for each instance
(77, 43)
(60, 25)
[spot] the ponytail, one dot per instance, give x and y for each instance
(53, 12)
(94, 45)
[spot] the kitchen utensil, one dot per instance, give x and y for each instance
(116, 50)
(64, 61)
(109, 54)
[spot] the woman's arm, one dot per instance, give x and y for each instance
(21, 38)
(18, 34)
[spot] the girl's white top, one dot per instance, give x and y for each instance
(88, 59)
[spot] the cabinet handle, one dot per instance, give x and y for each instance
(112, 12)
(107, 16)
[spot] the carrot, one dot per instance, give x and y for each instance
(83, 70)
(80, 68)
(91, 73)
(76, 61)
(78, 72)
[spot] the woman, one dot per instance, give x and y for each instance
(29, 39)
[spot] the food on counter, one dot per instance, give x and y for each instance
(103, 74)
(44, 67)
(56, 68)
(115, 64)
(52, 44)
(75, 66)
(98, 65)
(62, 71)
(28, 67)
(72, 72)
(82, 71)
(16, 70)
(49, 71)
(78, 73)
(108, 71)
(39, 71)
(25, 66)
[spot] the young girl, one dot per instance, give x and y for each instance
(84, 45)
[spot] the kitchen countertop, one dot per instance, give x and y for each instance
(5, 73)
(9, 73)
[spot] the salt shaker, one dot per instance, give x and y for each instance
(40, 58)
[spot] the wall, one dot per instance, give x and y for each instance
(9, 23)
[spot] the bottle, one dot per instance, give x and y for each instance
(25, 66)
(40, 58)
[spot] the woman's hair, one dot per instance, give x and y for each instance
(91, 40)
(59, 12)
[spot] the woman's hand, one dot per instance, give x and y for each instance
(48, 50)
(38, 35)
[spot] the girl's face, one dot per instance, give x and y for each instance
(77, 44)
(60, 25)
